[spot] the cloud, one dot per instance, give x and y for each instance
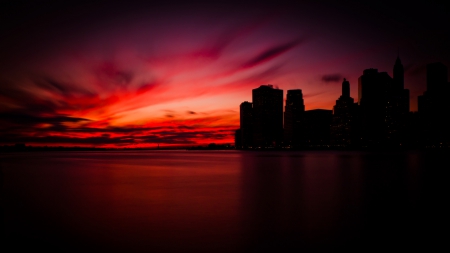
(271, 53)
(332, 78)
(115, 130)
(145, 87)
(109, 74)
(21, 97)
(28, 119)
(218, 44)
(99, 140)
(127, 137)
(64, 89)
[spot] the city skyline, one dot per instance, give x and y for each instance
(133, 75)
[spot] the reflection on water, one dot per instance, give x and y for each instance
(221, 201)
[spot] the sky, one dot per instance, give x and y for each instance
(128, 74)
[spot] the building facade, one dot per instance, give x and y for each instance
(267, 117)
(294, 119)
(433, 107)
(383, 107)
(344, 130)
(246, 124)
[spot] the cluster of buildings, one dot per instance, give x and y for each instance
(380, 117)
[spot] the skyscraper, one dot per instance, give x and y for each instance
(437, 77)
(398, 74)
(246, 124)
(267, 116)
(373, 99)
(237, 139)
(343, 126)
(399, 84)
(384, 106)
(293, 119)
(397, 107)
(434, 107)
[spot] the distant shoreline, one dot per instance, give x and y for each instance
(22, 148)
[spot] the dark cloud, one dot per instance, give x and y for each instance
(110, 73)
(49, 84)
(145, 87)
(185, 127)
(31, 104)
(215, 48)
(271, 53)
(123, 130)
(332, 78)
(19, 117)
(64, 139)
(181, 135)
(65, 89)
(24, 99)
(129, 131)
(265, 75)
(191, 112)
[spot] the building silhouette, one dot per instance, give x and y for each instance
(267, 116)
(238, 139)
(380, 119)
(344, 132)
(397, 107)
(246, 124)
(294, 119)
(399, 83)
(433, 107)
(384, 107)
(372, 100)
(317, 128)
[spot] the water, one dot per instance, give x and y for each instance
(223, 201)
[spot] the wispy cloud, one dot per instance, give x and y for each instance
(271, 53)
(332, 78)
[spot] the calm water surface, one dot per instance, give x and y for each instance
(223, 201)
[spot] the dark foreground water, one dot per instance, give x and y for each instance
(224, 201)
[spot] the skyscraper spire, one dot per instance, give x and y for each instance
(345, 88)
(399, 73)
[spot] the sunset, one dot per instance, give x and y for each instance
(224, 126)
(139, 75)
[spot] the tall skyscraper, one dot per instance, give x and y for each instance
(267, 116)
(434, 107)
(246, 124)
(237, 139)
(343, 126)
(437, 77)
(373, 98)
(399, 84)
(293, 119)
(398, 74)
(384, 106)
(397, 107)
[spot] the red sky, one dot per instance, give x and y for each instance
(132, 75)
